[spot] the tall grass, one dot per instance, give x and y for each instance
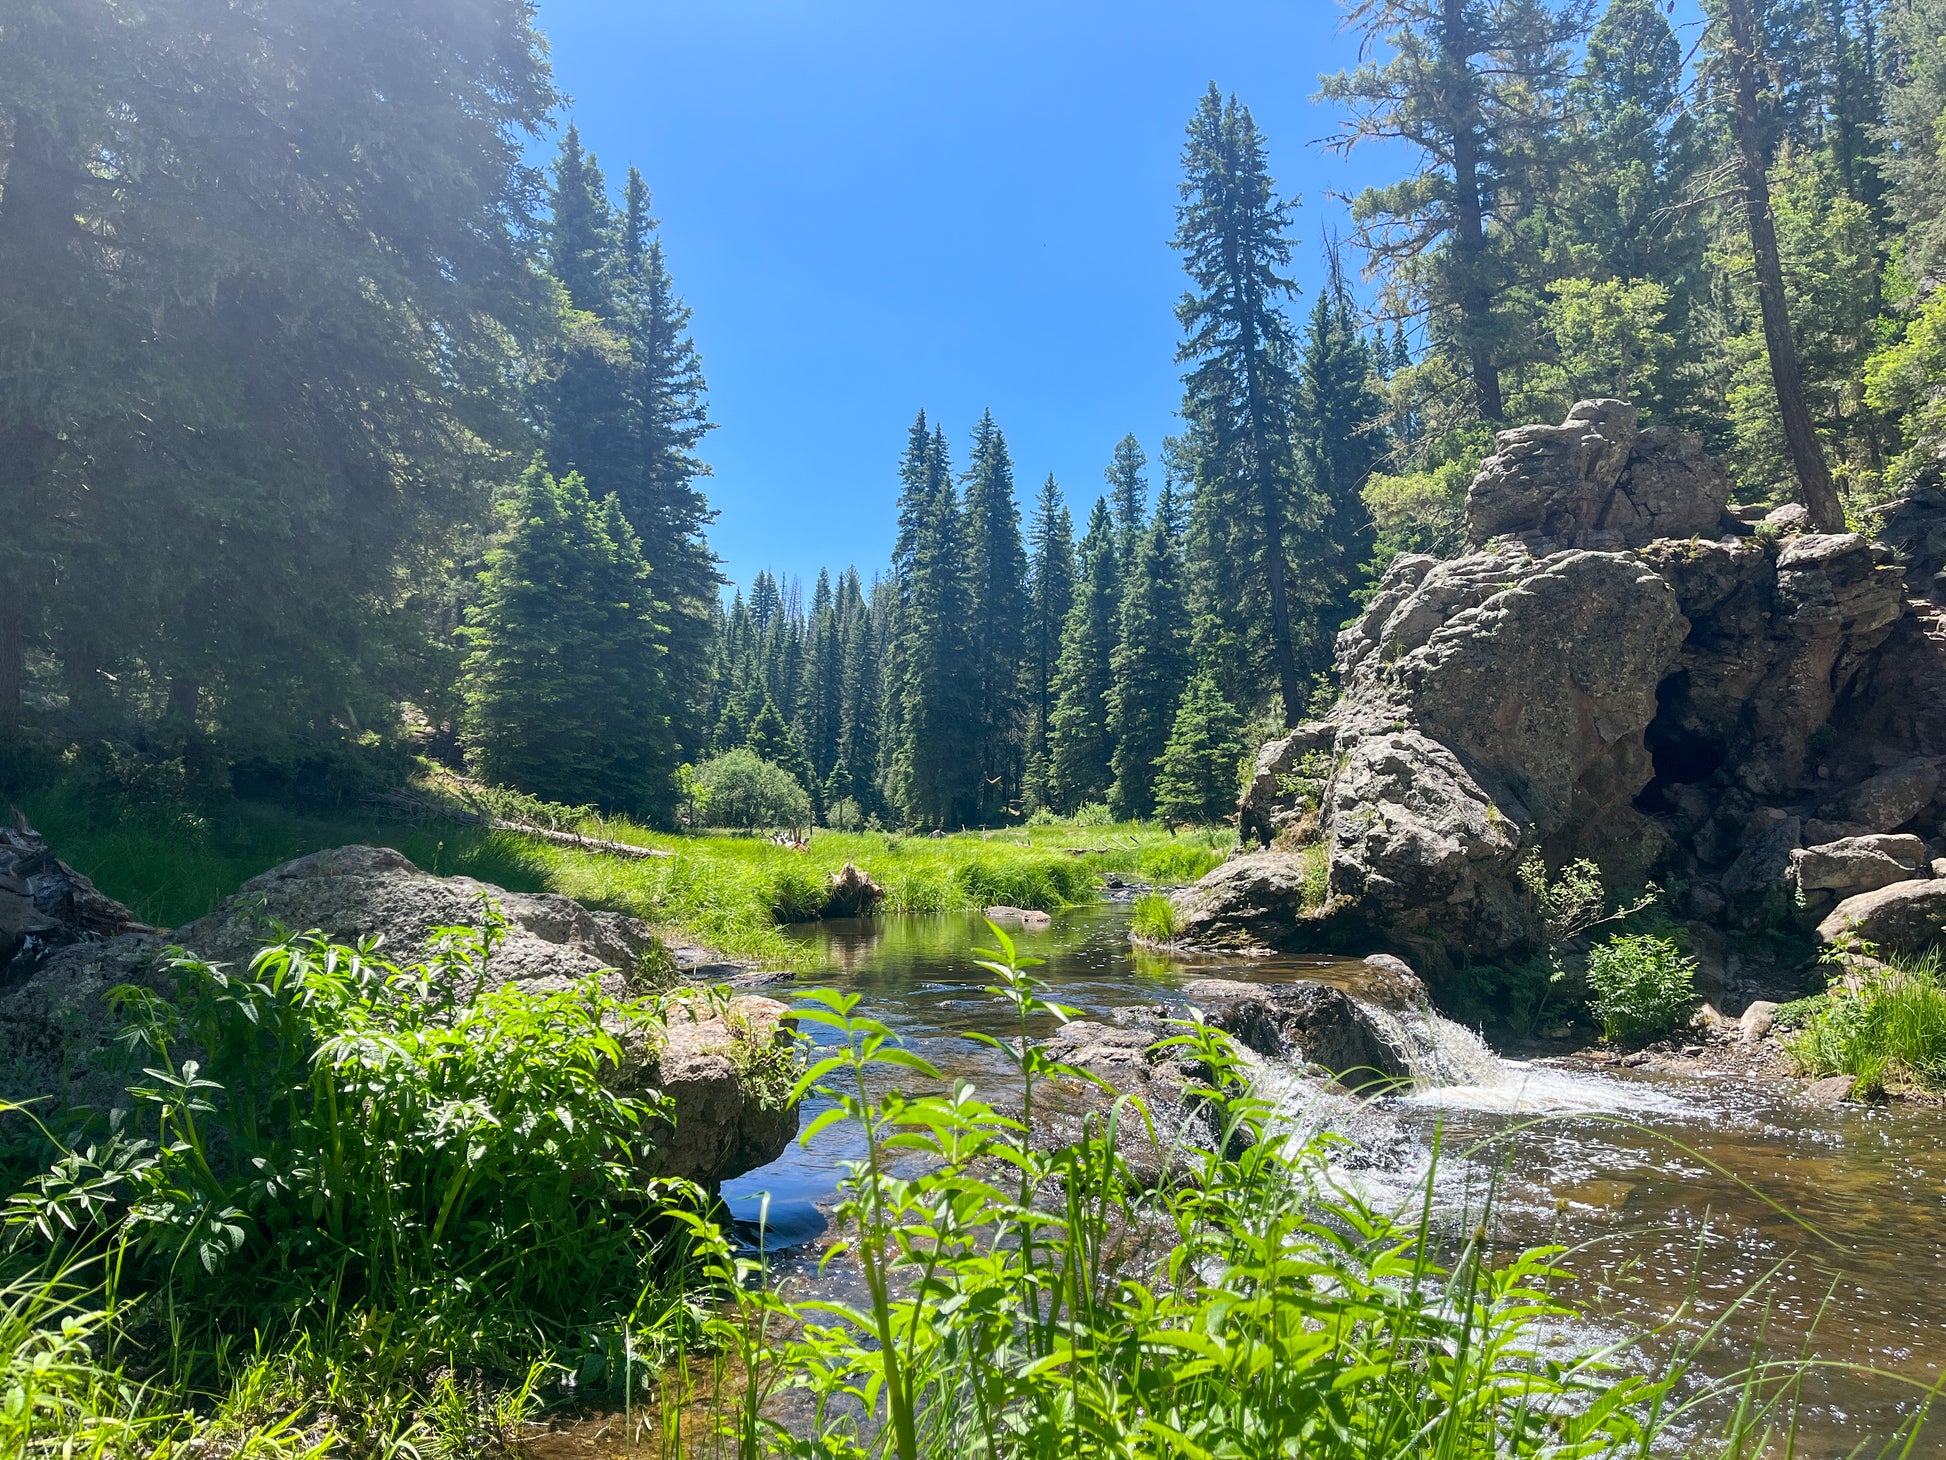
(1890, 1029)
(1019, 1302)
(172, 863)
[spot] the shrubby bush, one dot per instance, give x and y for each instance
(740, 791)
(1095, 813)
(1643, 987)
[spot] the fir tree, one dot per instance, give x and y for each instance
(772, 740)
(1080, 747)
(1128, 495)
(580, 228)
(1051, 595)
(1197, 780)
(932, 777)
(1239, 392)
(564, 682)
(1150, 664)
(997, 579)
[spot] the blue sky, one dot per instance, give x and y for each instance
(874, 207)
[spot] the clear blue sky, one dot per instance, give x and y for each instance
(877, 207)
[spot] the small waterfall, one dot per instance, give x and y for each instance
(1439, 1052)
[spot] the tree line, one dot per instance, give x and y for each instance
(327, 417)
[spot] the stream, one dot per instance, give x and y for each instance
(1619, 1166)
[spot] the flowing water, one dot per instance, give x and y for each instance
(1814, 1230)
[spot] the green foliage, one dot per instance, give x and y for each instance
(739, 790)
(1643, 987)
(1080, 747)
(564, 695)
(1574, 899)
(1094, 813)
(1155, 918)
(1610, 334)
(996, 568)
(1424, 511)
(331, 1132)
(1149, 665)
(1890, 1028)
(1906, 379)
(1197, 780)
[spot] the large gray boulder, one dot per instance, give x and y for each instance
(1251, 903)
(716, 1061)
(1857, 864)
(1305, 1023)
(1905, 918)
(1596, 481)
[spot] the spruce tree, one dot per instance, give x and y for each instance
(564, 694)
(1198, 778)
(997, 578)
(1080, 748)
(933, 777)
(1128, 495)
(580, 228)
(1050, 596)
(1341, 440)
(1239, 393)
(772, 740)
(1150, 664)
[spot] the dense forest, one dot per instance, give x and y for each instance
(328, 421)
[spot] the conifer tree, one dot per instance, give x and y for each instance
(1128, 495)
(1150, 664)
(1239, 393)
(564, 683)
(580, 228)
(1197, 780)
(1051, 595)
(772, 740)
(997, 578)
(1080, 747)
(820, 711)
(932, 776)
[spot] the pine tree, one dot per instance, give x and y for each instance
(1238, 395)
(820, 712)
(932, 777)
(1475, 87)
(1342, 442)
(772, 740)
(564, 682)
(1198, 779)
(1150, 664)
(1128, 495)
(1080, 747)
(1050, 596)
(997, 577)
(580, 228)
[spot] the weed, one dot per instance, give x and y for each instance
(1155, 918)
(1643, 987)
(1890, 1028)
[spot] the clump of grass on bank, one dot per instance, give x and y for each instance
(172, 862)
(1889, 1030)
(1155, 918)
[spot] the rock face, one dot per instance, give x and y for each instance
(1623, 672)
(45, 904)
(1596, 481)
(54, 1024)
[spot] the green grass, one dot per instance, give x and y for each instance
(1155, 918)
(1890, 1031)
(172, 864)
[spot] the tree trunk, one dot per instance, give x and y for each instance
(1469, 226)
(1807, 457)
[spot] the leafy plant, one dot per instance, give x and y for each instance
(1643, 987)
(739, 790)
(1575, 899)
(1891, 1025)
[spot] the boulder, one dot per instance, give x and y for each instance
(45, 904)
(1832, 1090)
(1757, 1020)
(1304, 1023)
(1596, 481)
(1857, 864)
(1252, 903)
(1265, 802)
(1123, 1061)
(712, 1061)
(1890, 798)
(1915, 525)
(1905, 918)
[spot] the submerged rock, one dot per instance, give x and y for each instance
(714, 1062)
(1306, 1023)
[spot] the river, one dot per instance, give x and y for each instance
(1823, 1230)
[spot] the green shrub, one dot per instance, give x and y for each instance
(1095, 813)
(738, 790)
(1155, 918)
(797, 894)
(1643, 987)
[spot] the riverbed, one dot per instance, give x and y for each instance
(1813, 1229)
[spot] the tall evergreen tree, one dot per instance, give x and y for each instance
(932, 778)
(997, 578)
(1128, 495)
(1198, 778)
(1239, 392)
(581, 228)
(564, 683)
(1150, 664)
(1050, 538)
(1080, 748)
